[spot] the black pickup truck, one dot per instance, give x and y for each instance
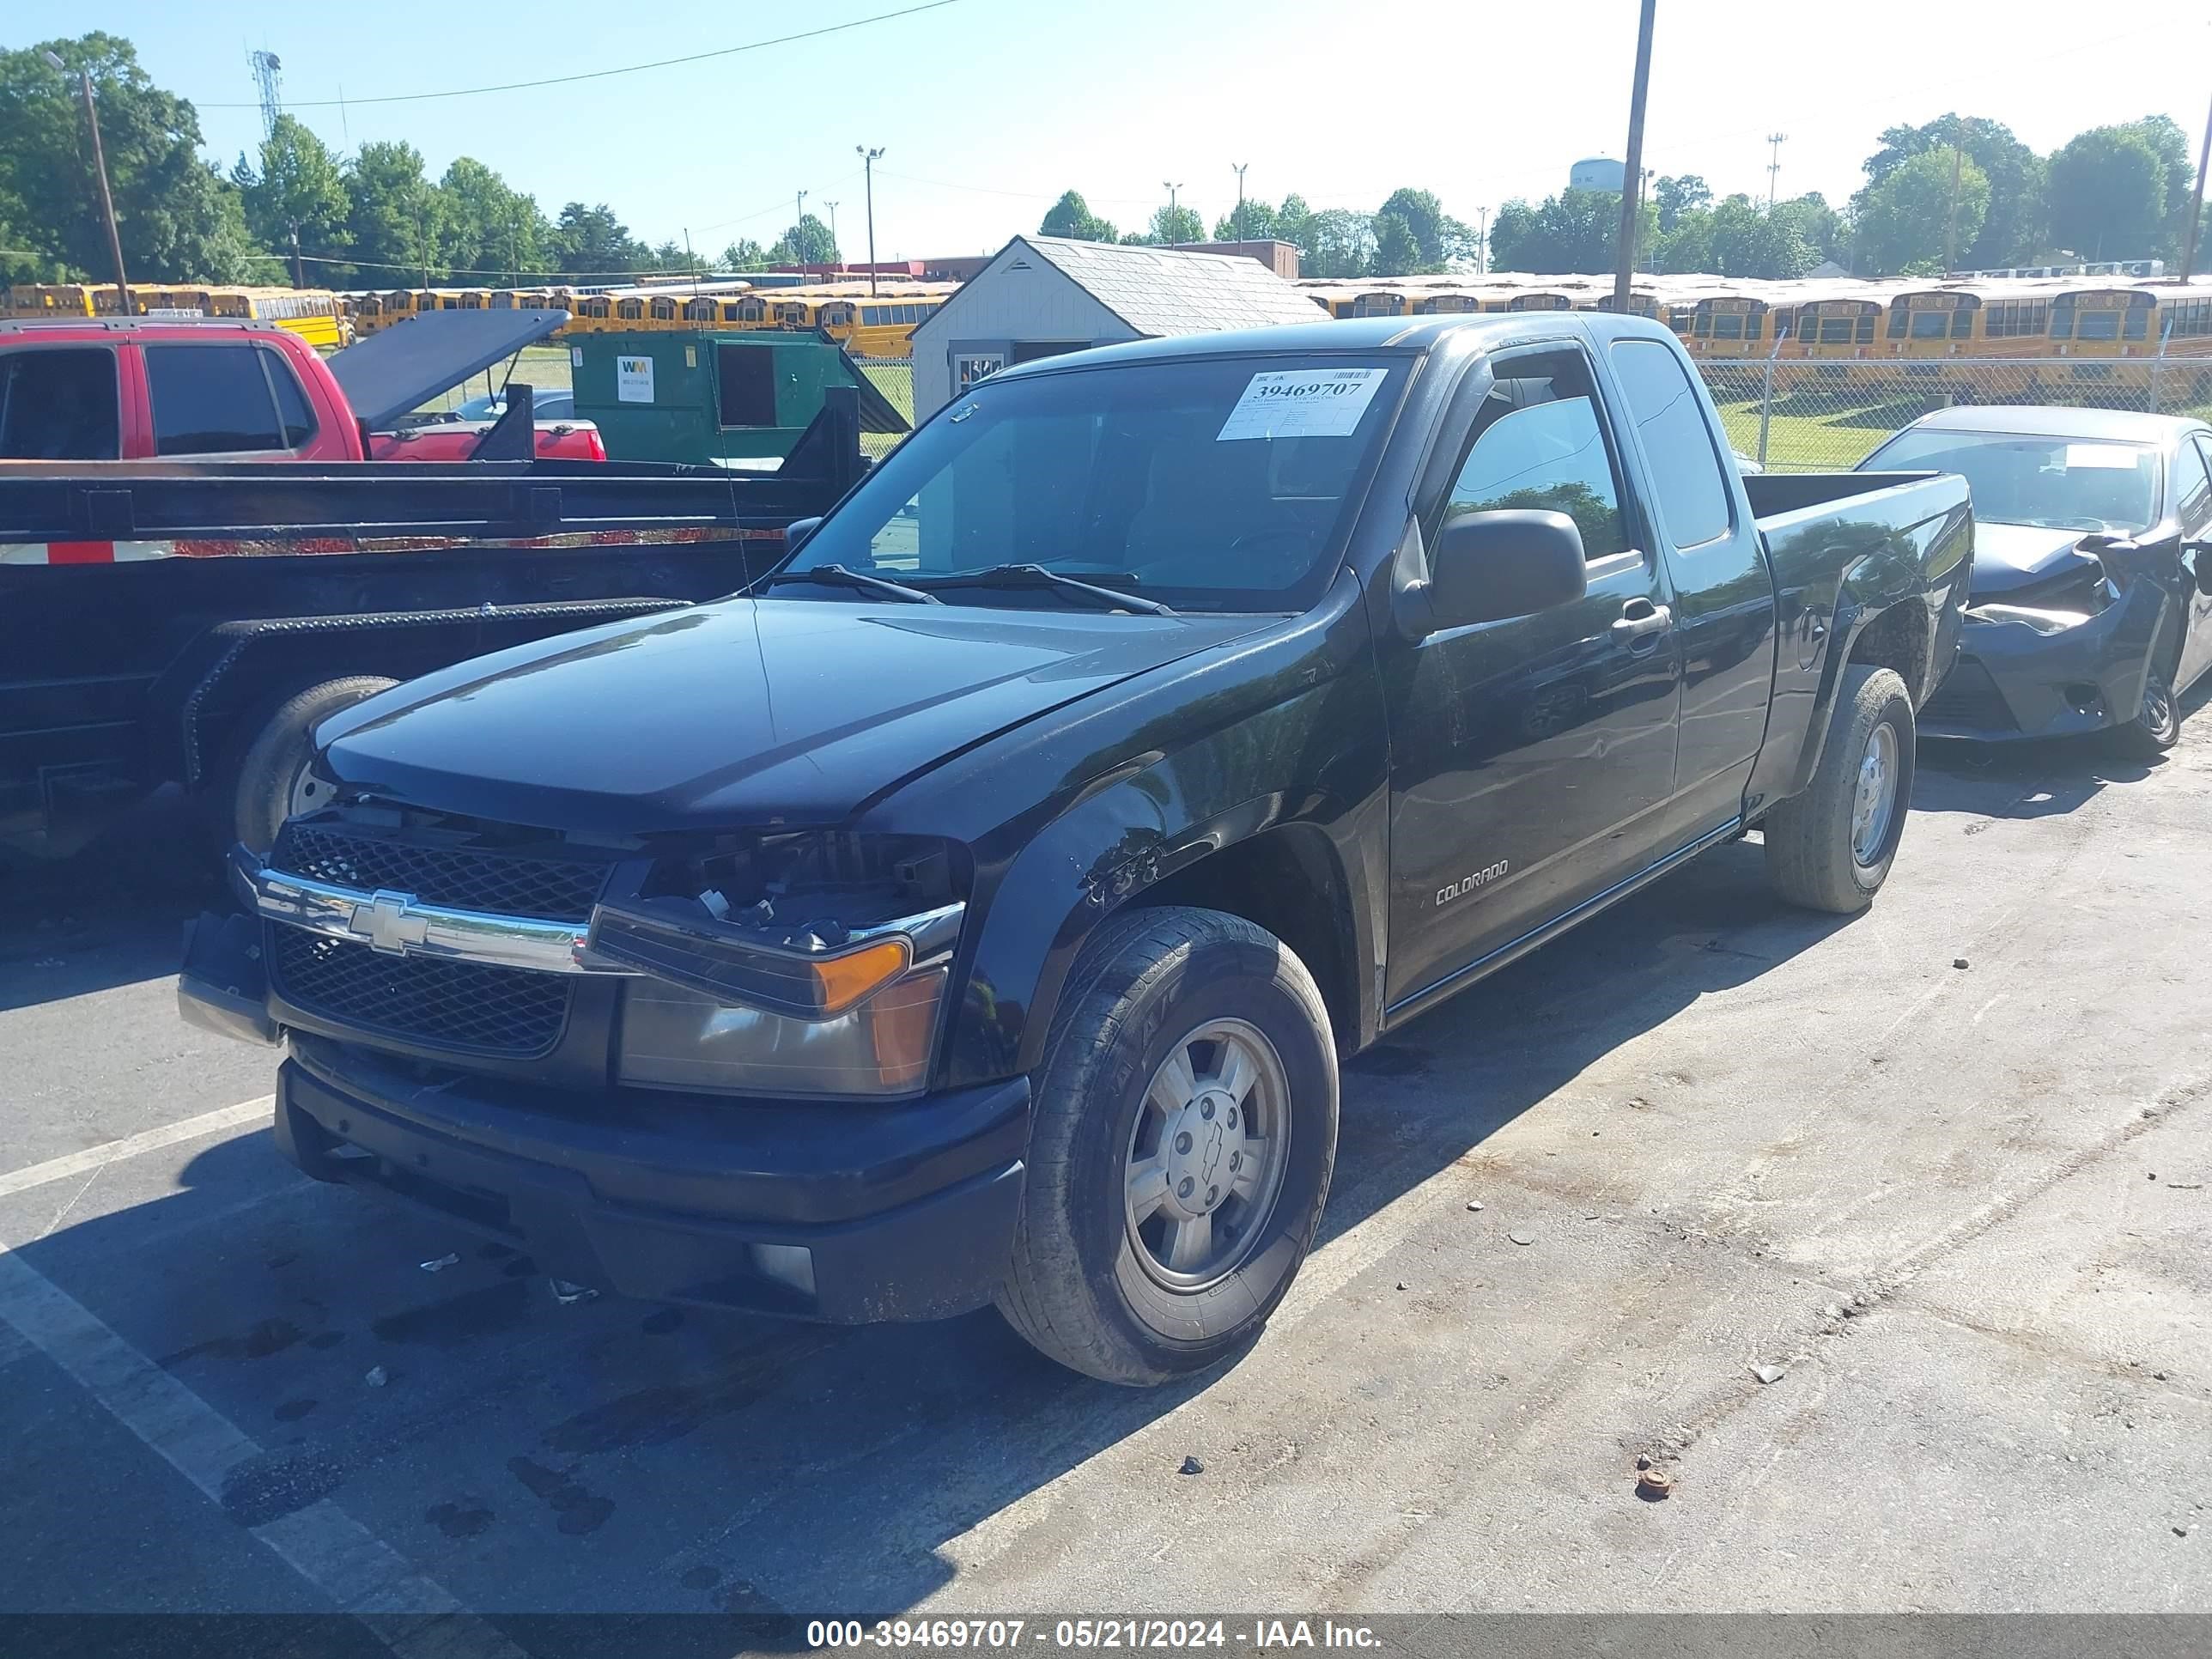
(978, 910)
(190, 622)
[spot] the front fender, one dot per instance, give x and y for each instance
(1306, 773)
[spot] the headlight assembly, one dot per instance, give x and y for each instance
(726, 1005)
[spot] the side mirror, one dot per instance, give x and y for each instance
(1488, 567)
(797, 530)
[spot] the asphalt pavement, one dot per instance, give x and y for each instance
(1938, 1171)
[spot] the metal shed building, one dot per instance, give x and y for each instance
(1043, 295)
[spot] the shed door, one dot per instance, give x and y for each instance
(969, 367)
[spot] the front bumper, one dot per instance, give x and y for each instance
(2012, 680)
(849, 1214)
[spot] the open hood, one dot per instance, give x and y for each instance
(404, 367)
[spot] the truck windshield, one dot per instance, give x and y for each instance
(2060, 484)
(1226, 484)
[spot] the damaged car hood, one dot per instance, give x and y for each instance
(2011, 556)
(742, 714)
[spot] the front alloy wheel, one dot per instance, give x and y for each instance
(1184, 1132)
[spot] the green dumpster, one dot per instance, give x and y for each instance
(740, 398)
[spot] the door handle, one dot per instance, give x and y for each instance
(1641, 619)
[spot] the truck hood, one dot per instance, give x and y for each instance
(2010, 557)
(745, 713)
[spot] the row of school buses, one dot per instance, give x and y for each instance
(1875, 329)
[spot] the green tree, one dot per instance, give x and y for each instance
(1423, 218)
(1746, 243)
(1904, 220)
(2108, 194)
(2171, 145)
(1685, 193)
(744, 254)
(1825, 231)
(1340, 243)
(1397, 250)
(178, 219)
(297, 189)
(1170, 224)
(806, 243)
(1070, 217)
(1576, 231)
(590, 241)
(2014, 227)
(397, 223)
(1250, 221)
(490, 229)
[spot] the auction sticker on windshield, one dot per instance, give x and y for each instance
(1303, 403)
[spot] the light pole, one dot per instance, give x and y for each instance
(836, 257)
(798, 225)
(1239, 222)
(1171, 190)
(2196, 203)
(1633, 176)
(1482, 244)
(868, 169)
(106, 201)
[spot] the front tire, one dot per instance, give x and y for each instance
(274, 780)
(2157, 724)
(1184, 1135)
(1830, 848)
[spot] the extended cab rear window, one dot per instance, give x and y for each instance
(58, 403)
(220, 399)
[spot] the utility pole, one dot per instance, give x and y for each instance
(690, 259)
(298, 276)
(2196, 201)
(1951, 219)
(1482, 243)
(868, 168)
(839, 258)
(1774, 143)
(124, 302)
(1633, 175)
(798, 219)
(1239, 221)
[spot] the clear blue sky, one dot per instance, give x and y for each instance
(988, 108)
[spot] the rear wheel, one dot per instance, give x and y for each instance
(2157, 724)
(1185, 1132)
(1830, 848)
(275, 781)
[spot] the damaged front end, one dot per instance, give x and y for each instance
(2060, 648)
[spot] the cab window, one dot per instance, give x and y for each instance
(210, 400)
(1670, 416)
(1539, 445)
(58, 403)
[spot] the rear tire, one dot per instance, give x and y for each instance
(1184, 1135)
(2157, 724)
(1830, 848)
(273, 779)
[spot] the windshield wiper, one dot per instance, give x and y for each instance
(1036, 575)
(839, 576)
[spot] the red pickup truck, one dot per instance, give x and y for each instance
(148, 388)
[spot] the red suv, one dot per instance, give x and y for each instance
(140, 389)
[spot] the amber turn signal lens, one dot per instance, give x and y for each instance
(840, 981)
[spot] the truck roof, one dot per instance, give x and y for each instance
(1352, 334)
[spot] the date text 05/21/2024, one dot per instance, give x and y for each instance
(1010, 1635)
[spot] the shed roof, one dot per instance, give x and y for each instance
(1161, 291)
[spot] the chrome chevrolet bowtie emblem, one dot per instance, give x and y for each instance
(388, 922)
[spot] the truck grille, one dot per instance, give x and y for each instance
(458, 1004)
(505, 884)
(1968, 697)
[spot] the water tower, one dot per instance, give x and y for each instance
(1597, 172)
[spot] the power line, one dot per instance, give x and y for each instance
(602, 75)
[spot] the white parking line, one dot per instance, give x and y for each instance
(358, 1572)
(146, 1140)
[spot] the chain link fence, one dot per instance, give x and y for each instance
(894, 377)
(1809, 416)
